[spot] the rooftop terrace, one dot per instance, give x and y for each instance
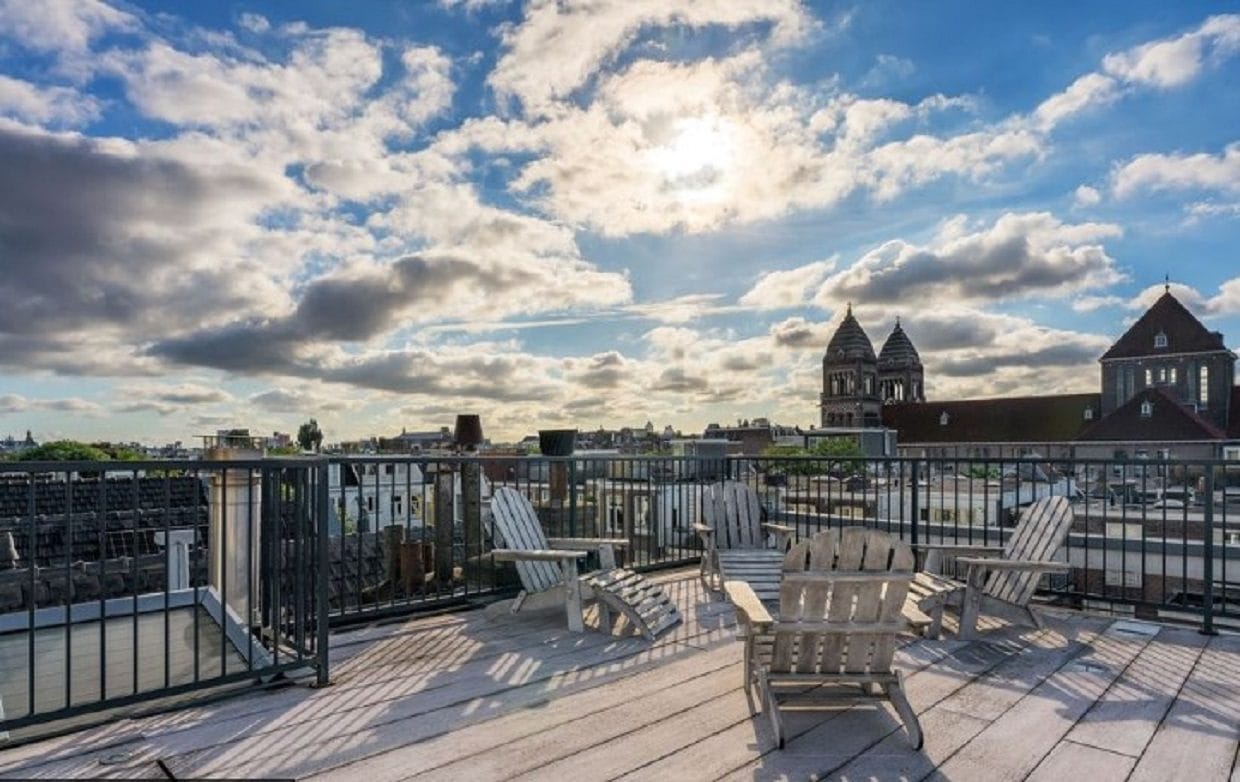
(483, 695)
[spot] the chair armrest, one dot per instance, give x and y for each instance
(588, 544)
(1027, 565)
(955, 550)
(536, 555)
(781, 528)
(702, 529)
(747, 603)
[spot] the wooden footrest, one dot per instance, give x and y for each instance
(645, 604)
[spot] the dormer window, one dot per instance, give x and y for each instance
(1160, 340)
(1147, 409)
(944, 418)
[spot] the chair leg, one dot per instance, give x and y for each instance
(519, 601)
(972, 605)
(935, 630)
(772, 709)
(895, 691)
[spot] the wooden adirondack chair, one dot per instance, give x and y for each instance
(551, 573)
(1000, 580)
(840, 606)
(734, 537)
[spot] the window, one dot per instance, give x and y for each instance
(1160, 340)
(397, 505)
(1149, 377)
(1162, 374)
(1123, 578)
(1119, 531)
(944, 418)
(1172, 376)
(370, 503)
(1203, 386)
(1147, 409)
(1089, 414)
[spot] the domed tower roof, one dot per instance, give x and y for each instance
(898, 350)
(850, 342)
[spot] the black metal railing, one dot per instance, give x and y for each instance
(123, 582)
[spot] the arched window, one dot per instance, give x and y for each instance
(1203, 386)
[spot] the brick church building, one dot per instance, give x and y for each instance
(1167, 390)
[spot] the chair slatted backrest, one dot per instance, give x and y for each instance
(1041, 531)
(732, 509)
(517, 527)
(841, 599)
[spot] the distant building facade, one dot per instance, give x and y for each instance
(856, 383)
(1167, 389)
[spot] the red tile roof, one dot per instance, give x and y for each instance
(1169, 421)
(1030, 419)
(1169, 317)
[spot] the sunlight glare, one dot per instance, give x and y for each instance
(697, 159)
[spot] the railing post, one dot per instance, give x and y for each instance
(1207, 565)
(915, 498)
(322, 572)
(572, 499)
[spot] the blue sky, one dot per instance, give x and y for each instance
(385, 213)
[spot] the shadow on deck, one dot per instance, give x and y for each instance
(483, 695)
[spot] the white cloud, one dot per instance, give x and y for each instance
(66, 26)
(1172, 62)
(1086, 196)
(1092, 89)
(16, 403)
(788, 288)
(255, 23)
(1157, 171)
(1224, 303)
(1206, 209)
(46, 105)
(1163, 64)
(1089, 303)
(1020, 255)
(558, 46)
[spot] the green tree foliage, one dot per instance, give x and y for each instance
(837, 455)
(64, 451)
(309, 436)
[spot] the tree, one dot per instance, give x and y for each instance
(64, 451)
(309, 436)
(838, 454)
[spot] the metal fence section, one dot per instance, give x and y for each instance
(123, 582)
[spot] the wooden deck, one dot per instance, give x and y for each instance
(481, 695)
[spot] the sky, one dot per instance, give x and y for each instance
(585, 214)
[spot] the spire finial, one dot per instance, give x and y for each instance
(850, 308)
(897, 321)
(1167, 282)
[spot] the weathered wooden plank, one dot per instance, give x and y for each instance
(299, 732)
(979, 699)
(1013, 745)
(1069, 760)
(1126, 716)
(555, 717)
(1201, 730)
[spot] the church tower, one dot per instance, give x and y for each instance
(850, 395)
(900, 374)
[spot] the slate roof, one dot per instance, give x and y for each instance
(1168, 316)
(1028, 419)
(87, 522)
(1169, 421)
(850, 342)
(898, 350)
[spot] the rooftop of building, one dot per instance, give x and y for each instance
(483, 695)
(1031, 419)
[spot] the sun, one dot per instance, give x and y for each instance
(697, 159)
